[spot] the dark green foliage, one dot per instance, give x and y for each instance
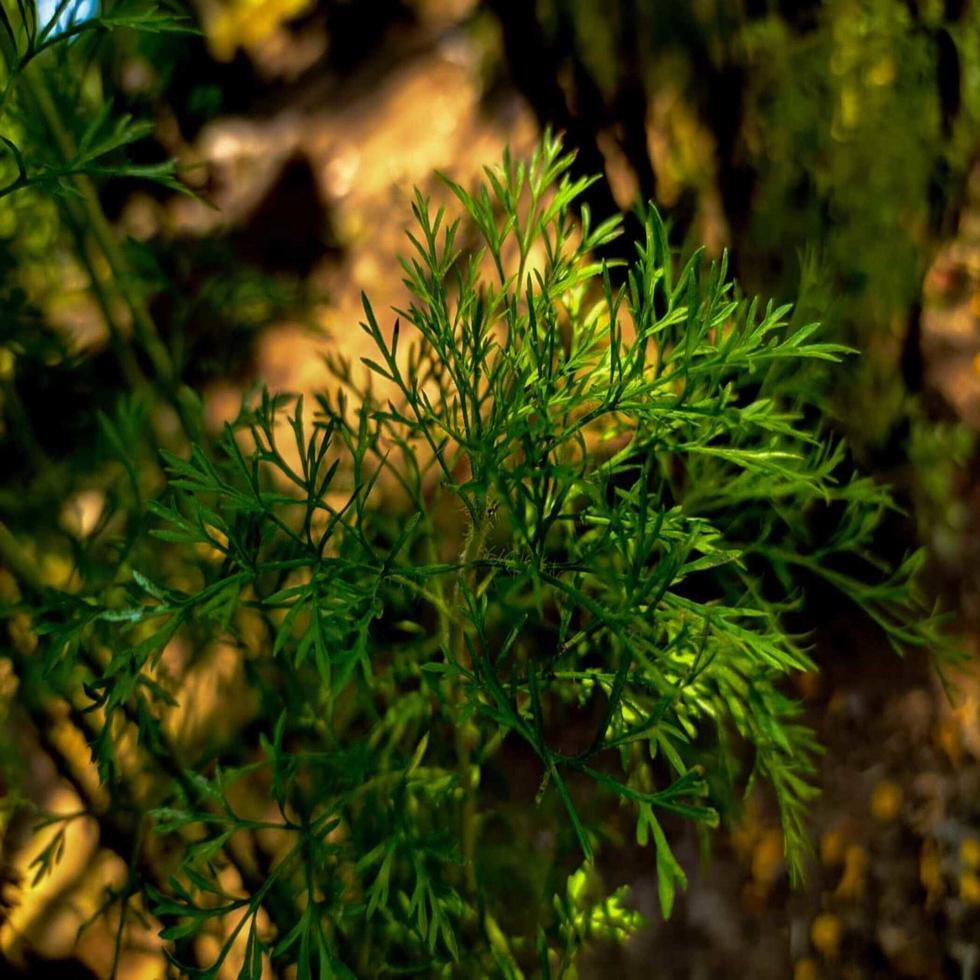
(518, 585)
(635, 505)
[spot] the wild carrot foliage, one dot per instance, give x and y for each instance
(527, 580)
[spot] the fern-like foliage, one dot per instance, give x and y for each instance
(30, 38)
(525, 575)
(525, 582)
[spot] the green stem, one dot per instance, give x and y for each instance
(102, 231)
(124, 354)
(105, 237)
(472, 549)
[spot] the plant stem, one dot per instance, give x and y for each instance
(105, 237)
(127, 362)
(472, 550)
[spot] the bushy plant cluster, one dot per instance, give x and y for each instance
(524, 586)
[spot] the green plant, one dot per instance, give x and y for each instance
(526, 586)
(518, 589)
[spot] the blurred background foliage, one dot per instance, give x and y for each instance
(833, 146)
